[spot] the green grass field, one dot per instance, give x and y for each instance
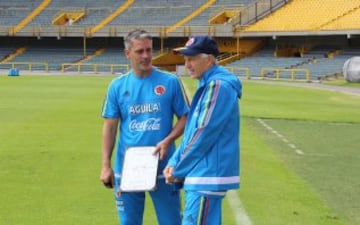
(298, 156)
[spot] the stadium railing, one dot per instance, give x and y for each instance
(120, 31)
(29, 66)
(240, 71)
(279, 72)
(258, 10)
(94, 68)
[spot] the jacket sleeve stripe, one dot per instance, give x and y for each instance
(209, 108)
(196, 136)
(214, 88)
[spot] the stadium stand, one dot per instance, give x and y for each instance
(284, 37)
(95, 11)
(349, 21)
(156, 13)
(109, 60)
(265, 59)
(300, 15)
(323, 65)
(38, 57)
(13, 12)
(5, 52)
(218, 7)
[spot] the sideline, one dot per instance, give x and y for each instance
(281, 137)
(238, 209)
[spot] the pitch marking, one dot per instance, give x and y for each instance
(272, 130)
(238, 209)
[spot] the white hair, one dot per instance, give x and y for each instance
(204, 55)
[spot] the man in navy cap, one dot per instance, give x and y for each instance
(208, 159)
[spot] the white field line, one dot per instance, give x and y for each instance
(281, 137)
(239, 211)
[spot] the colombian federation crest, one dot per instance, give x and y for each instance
(159, 90)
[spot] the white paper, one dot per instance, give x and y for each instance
(139, 169)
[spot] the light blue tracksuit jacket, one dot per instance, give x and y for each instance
(209, 154)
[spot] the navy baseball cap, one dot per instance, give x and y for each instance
(197, 45)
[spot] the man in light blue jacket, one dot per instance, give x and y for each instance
(207, 162)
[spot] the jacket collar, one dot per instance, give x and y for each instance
(207, 76)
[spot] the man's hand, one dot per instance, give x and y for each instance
(168, 173)
(107, 177)
(162, 148)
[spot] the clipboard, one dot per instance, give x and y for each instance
(139, 170)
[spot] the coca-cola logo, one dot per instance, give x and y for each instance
(146, 125)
